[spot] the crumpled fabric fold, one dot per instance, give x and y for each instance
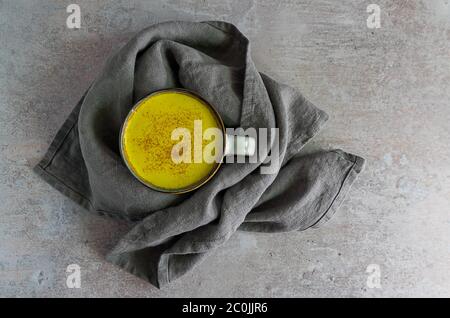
(172, 233)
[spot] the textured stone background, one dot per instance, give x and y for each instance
(387, 91)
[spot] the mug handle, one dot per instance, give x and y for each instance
(239, 145)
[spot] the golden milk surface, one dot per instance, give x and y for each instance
(147, 143)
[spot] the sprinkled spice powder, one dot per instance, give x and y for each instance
(148, 146)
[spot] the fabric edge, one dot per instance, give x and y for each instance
(316, 126)
(61, 187)
(352, 174)
(41, 167)
(60, 136)
(116, 260)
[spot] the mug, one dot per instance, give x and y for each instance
(232, 144)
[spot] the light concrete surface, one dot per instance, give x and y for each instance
(387, 91)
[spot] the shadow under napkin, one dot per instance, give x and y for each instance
(174, 232)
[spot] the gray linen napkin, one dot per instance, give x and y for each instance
(172, 233)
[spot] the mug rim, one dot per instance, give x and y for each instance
(150, 185)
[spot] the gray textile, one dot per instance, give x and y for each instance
(172, 233)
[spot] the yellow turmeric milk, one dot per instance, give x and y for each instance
(147, 143)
